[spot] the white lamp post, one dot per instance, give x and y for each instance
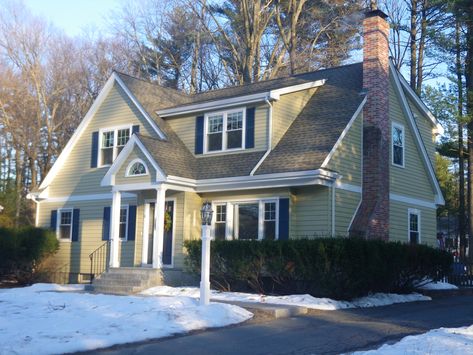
(206, 215)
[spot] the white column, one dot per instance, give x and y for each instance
(158, 228)
(144, 252)
(205, 267)
(115, 229)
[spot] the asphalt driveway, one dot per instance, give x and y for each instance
(321, 332)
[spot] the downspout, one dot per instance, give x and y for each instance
(270, 136)
(333, 209)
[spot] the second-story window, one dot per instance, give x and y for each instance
(112, 142)
(225, 130)
(397, 141)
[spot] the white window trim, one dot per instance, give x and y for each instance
(401, 127)
(232, 224)
(134, 161)
(224, 130)
(418, 214)
(115, 140)
(58, 223)
(127, 207)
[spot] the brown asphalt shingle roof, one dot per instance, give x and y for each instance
(303, 147)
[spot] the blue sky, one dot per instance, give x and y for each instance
(74, 15)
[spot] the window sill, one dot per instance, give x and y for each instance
(398, 166)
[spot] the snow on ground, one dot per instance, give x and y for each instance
(450, 341)
(377, 299)
(47, 319)
(438, 286)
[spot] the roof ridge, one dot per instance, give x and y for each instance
(274, 79)
(179, 92)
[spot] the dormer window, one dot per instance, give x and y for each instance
(136, 168)
(112, 141)
(225, 130)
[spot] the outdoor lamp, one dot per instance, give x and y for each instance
(206, 214)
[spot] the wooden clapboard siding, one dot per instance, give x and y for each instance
(120, 177)
(346, 204)
(414, 172)
(184, 126)
(286, 110)
(398, 227)
(310, 212)
(426, 131)
(76, 176)
(76, 254)
(348, 157)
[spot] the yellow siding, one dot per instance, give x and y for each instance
(398, 229)
(348, 157)
(76, 254)
(120, 177)
(75, 176)
(184, 126)
(414, 172)
(310, 212)
(346, 204)
(286, 110)
(426, 131)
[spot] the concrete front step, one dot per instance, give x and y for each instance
(114, 290)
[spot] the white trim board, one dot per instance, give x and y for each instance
(412, 201)
(109, 178)
(239, 100)
(114, 78)
(79, 198)
(418, 139)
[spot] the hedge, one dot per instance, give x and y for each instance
(340, 268)
(22, 251)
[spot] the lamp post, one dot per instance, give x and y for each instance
(206, 215)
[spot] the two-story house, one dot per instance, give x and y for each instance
(336, 152)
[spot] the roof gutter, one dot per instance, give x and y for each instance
(270, 137)
(273, 95)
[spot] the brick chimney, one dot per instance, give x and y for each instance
(372, 219)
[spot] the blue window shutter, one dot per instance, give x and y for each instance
(199, 135)
(106, 224)
(131, 222)
(135, 129)
(95, 150)
(284, 219)
(250, 128)
(75, 224)
(53, 223)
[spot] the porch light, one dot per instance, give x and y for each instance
(206, 213)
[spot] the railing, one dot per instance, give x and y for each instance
(99, 259)
(462, 275)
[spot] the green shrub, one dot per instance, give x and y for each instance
(23, 250)
(340, 268)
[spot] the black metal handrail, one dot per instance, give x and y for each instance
(99, 259)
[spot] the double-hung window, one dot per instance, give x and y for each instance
(269, 225)
(414, 226)
(112, 142)
(123, 223)
(397, 144)
(65, 224)
(220, 222)
(225, 130)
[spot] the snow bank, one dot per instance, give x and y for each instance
(36, 320)
(378, 299)
(438, 286)
(450, 341)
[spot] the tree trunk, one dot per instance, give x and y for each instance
(413, 45)
(421, 50)
(469, 110)
(18, 186)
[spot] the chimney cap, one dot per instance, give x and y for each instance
(376, 12)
